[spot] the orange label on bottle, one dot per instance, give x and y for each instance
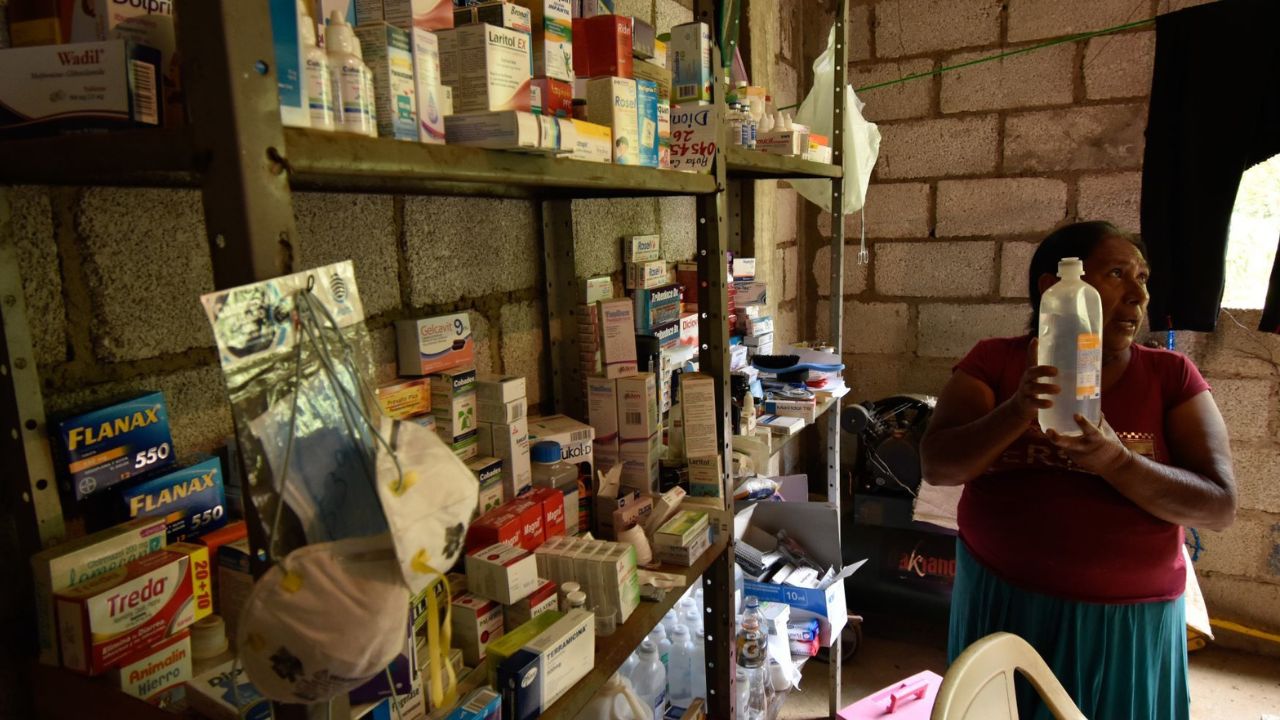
(1088, 366)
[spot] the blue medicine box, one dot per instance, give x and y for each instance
(647, 121)
(192, 500)
(104, 447)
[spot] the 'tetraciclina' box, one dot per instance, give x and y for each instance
(488, 67)
(106, 446)
(103, 622)
(434, 344)
(611, 101)
(539, 673)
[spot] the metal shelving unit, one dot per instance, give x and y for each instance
(246, 165)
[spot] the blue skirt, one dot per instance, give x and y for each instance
(1122, 662)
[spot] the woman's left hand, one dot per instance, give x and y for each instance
(1099, 450)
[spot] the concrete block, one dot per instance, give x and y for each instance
(333, 227)
(1015, 259)
(786, 215)
(785, 324)
(598, 226)
(855, 274)
(786, 85)
(199, 413)
(881, 328)
(450, 244)
(1247, 406)
(1249, 548)
(678, 225)
(521, 328)
(859, 27)
(1232, 350)
(893, 210)
(916, 27)
(37, 248)
(1035, 19)
(790, 272)
(146, 265)
(487, 359)
(938, 148)
(669, 13)
(1119, 66)
(642, 9)
(1248, 602)
(935, 269)
(1257, 468)
(1043, 77)
(895, 102)
(382, 344)
(950, 331)
(1000, 206)
(1080, 138)
(871, 377)
(1115, 197)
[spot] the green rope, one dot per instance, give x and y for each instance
(978, 61)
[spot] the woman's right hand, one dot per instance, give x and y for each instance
(1030, 398)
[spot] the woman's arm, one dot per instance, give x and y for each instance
(968, 431)
(1199, 491)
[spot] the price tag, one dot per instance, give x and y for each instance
(694, 133)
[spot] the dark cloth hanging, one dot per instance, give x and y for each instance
(1215, 112)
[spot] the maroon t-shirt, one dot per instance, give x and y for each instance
(1042, 523)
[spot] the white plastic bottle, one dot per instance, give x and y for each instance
(317, 78)
(1071, 341)
(659, 637)
(698, 666)
(209, 647)
(629, 665)
(616, 700)
(669, 621)
(650, 679)
(352, 89)
(679, 687)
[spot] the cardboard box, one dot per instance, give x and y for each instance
(604, 46)
(407, 14)
(602, 411)
(542, 600)
(108, 619)
(210, 695)
(641, 248)
(594, 143)
(657, 305)
(647, 122)
(689, 330)
(502, 572)
(557, 96)
(515, 637)
(405, 399)
(690, 49)
(517, 522)
(428, 86)
(482, 704)
(502, 413)
(611, 101)
(500, 14)
(191, 500)
(387, 52)
(433, 344)
(698, 400)
(542, 671)
(488, 68)
(510, 443)
(157, 674)
(476, 622)
(553, 38)
(555, 510)
(500, 388)
(505, 130)
(647, 275)
(617, 337)
(638, 407)
(103, 447)
(235, 582)
(67, 565)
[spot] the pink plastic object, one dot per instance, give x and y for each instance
(910, 699)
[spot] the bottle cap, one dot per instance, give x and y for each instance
(545, 452)
(208, 637)
(569, 587)
(1070, 267)
(338, 36)
(306, 27)
(577, 599)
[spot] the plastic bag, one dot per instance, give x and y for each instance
(861, 138)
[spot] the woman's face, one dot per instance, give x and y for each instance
(1119, 273)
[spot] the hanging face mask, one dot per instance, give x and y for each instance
(324, 620)
(428, 496)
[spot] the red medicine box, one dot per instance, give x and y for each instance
(518, 523)
(607, 51)
(553, 518)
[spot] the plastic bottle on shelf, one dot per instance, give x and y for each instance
(734, 119)
(1071, 341)
(627, 667)
(616, 700)
(317, 77)
(659, 637)
(679, 687)
(209, 647)
(565, 589)
(698, 666)
(549, 468)
(692, 619)
(650, 678)
(577, 600)
(669, 621)
(751, 658)
(352, 89)
(768, 119)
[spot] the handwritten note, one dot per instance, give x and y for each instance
(694, 133)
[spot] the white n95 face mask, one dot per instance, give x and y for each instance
(324, 620)
(428, 496)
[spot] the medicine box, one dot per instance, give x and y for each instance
(428, 87)
(555, 510)
(685, 527)
(604, 46)
(290, 64)
(617, 337)
(488, 470)
(453, 382)
(647, 275)
(225, 693)
(235, 582)
(463, 447)
(698, 400)
(661, 78)
(506, 130)
(611, 101)
(553, 47)
(502, 572)
(405, 399)
(591, 8)
(643, 39)
(191, 500)
(689, 330)
(501, 412)
(501, 14)
(515, 637)
(158, 673)
(744, 268)
(510, 443)
(705, 476)
(406, 14)
(557, 96)
(476, 622)
(657, 305)
(103, 447)
(750, 293)
(104, 621)
(690, 50)
(482, 704)
(542, 600)
(455, 416)
(641, 460)
(638, 407)
(539, 673)
(490, 497)
(647, 122)
(594, 142)
(641, 249)
(500, 388)
(668, 335)
(387, 52)
(602, 410)
(660, 53)
(684, 555)
(488, 68)
(77, 561)
(433, 344)
(575, 439)
(516, 522)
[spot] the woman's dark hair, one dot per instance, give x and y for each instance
(1077, 240)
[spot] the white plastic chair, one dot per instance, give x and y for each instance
(979, 684)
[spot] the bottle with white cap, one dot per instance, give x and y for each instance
(352, 86)
(317, 78)
(650, 678)
(1071, 340)
(209, 647)
(565, 589)
(679, 687)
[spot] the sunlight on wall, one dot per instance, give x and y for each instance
(1251, 245)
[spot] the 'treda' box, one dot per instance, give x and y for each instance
(114, 443)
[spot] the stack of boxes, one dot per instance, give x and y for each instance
(615, 97)
(750, 308)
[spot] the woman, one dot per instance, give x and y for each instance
(1075, 542)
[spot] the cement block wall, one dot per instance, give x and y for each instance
(975, 166)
